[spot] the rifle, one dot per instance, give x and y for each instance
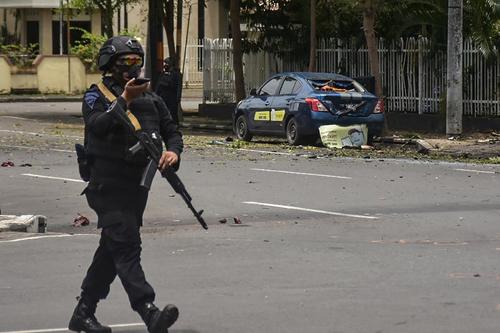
(146, 143)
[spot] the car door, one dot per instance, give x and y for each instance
(260, 106)
(281, 103)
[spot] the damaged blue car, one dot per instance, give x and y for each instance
(296, 104)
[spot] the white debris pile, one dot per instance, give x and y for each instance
(335, 136)
(23, 223)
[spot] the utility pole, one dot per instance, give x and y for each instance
(154, 56)
(454, 98)
(61, 6)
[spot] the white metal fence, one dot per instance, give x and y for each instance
(218, 74)
(413, 75)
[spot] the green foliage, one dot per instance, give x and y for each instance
(21, 56)
(279, 25)
(107, 8)
(88, 49)
(283, 25)
(430, 18)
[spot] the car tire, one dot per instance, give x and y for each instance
(293, 134)
(241, 128)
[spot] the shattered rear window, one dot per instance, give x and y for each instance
(327, 85)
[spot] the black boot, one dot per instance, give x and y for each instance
(158, 321)
(83, 319)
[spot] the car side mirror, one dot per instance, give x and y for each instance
(253, 92)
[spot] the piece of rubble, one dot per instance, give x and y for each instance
(23, 223)
(423, 146)
(237, 220)
(7, 164)
(80, 221)
(223, 220)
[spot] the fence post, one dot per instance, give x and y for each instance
(206, 63)
(420, 76)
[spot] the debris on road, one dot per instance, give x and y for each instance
(23, 223)
(80, 221)
(7, 164)
(223, 220)
(335, 136)
(237, 220)
(423, 146)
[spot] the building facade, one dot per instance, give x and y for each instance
(40, 22)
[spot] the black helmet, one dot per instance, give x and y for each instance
(116, 46)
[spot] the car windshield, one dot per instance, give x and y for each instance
(327, 85)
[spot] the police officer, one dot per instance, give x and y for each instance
(114, 190)
(169, 87)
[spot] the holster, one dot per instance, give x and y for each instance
(83, 162)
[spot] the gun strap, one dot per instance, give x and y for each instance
(111, 98)
(106, 92)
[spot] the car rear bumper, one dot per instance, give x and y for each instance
(374, 122)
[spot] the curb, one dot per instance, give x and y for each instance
(23, 223)
(24, 99)
(206, 126)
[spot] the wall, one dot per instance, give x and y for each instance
(5, 75)
(93, 78)
(52, 73)
(24, 81)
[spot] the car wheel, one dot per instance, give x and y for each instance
(242, 132)
(292, 133)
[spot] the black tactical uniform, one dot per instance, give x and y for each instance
(115, 194)
(168, 88)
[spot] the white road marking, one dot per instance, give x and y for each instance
(301, 173)
(66, 330)
(42, 237)
(264, 152)
(310, 210)
(41, 134)
(38, 148)
(476, 171)
(50, 177)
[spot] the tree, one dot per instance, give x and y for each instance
(369, 15)
(107, 8)
(237, 50)
(168, 25)
(312, 39)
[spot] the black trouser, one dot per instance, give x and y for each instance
(119, 252)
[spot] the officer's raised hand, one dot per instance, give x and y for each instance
(133, 90)
(168, 159)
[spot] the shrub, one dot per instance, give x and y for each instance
(20, 56)
(87, 49)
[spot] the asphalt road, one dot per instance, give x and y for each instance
(325, 244)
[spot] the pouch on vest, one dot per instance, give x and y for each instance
(83, 162)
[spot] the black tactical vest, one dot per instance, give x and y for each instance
(113, 163)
